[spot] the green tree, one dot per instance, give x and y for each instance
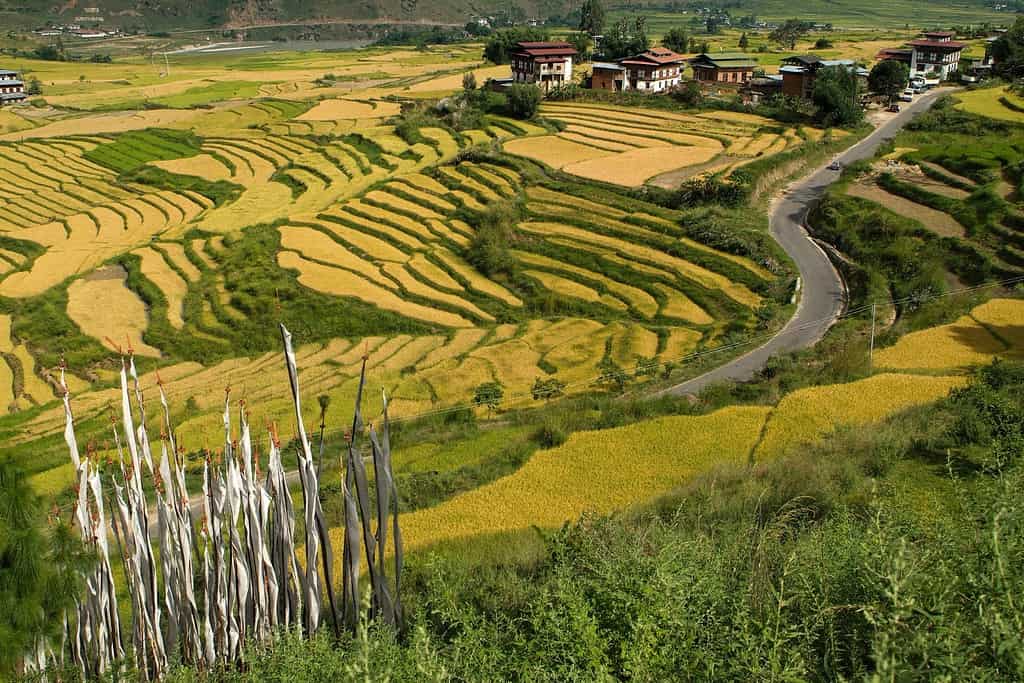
(500, 44)
(625, 39)
(523, 100)
(836, 96)
(469, 81)
(40, 570)
(33, 86)
(581, 41)
(1008, 52)
(488, 395)
(888, 78)
(547, 389)
(676, 39)
(592, 17)
(789, 32)
(744, 41)
(490, 249)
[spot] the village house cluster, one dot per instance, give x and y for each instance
(933, 57)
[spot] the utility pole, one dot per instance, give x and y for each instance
(871, 345)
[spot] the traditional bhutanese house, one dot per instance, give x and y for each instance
(545, 64)
(12, 89)
(799, 71)
(723, 67)
(655, 70)
(608, 76)
(935, 55)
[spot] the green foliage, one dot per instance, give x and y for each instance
(40, 570)
(1008, 52)
(744, 42)
(501, 43)
(219, 191)
(835, 96)
(494, 231)
(591, 17)
(625, 39)
(545, 389)
(523, 100)
(888, 77)
(133, 149)
(469, 81)
(580, 40)
(677, 40)
(790, 31)
(489, 395)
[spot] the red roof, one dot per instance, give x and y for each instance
(657, 56)
(948, 44)
(544, 49)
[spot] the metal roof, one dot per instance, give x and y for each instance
(608, 66)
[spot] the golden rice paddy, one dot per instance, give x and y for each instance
(173, 287)
(103, 307)
(329, 110)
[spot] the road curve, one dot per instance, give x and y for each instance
(822, 291)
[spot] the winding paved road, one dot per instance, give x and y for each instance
(823, 293)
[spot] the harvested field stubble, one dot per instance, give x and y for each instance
(102, 305)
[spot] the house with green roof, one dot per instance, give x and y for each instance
(723, 67)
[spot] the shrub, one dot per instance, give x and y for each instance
(523, 100)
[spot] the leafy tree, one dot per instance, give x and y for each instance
(744, 41)
(612, 375)
(789, 32)
(40, 570)
(523, 100)
(1008, 52)
(625, 40)
(500, 44)
(822, 44)
(490, 249)
(592, 17)
(711, 26)
(33, 86)
(469, 81)
(889, 78)
(835, 96)
(581, 41)
(688, 94)
(676, 39)
(703, 47)
(547, 389)
(489, 395)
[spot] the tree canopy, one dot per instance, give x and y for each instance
(676, 39)
(625, 40)
(835, 96)
(498, 48)
(888, 77)
(790, 31)
(592, 17)
(1008, 52)
(40, 570)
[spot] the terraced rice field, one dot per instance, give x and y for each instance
(988, 102)
(938, 222)
(101, 304)
(632, 147)
(995, 328)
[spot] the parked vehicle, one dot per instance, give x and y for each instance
(835, 166)
(894, 108)
(907, 95)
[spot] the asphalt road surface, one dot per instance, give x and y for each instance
(823, 294)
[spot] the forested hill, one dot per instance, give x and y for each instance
(164, 15)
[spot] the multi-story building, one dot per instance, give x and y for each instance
(655, 70)
(545, 64)
(799, 72)
(12, 89)
(935, 55)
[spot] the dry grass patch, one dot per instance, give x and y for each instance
(102, 306)
(938, 222)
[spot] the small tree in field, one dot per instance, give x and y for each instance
(547, 389)
(523, 100)
(676, 40)
(489, 395)
(744, 41)
(469, 81)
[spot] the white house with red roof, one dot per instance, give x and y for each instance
(545, 64)
(655, 70)
(933, 55)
